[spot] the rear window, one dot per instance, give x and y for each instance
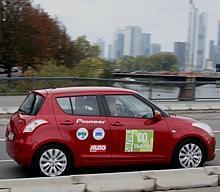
(31, 104)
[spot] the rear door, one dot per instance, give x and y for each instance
(84, 127)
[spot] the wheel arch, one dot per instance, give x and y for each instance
(190, 138)
(53, 143)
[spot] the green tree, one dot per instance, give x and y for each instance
(89, 67)
(162, 61)
(126, 64)
(84, 49)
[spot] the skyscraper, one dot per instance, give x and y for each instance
(180, 52)
(145, 45)
(101, 44)
(212, 51)
(118, 43)
(195, 54)
(218, 45)
(200, 57)
(155, 48)
(110, 52)
(130, 41)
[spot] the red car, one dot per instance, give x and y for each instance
(57, 129)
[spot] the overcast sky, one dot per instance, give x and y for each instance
(166, 20)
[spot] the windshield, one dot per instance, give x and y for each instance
(31, 104)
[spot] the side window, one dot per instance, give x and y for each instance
(128, 106)
(85, 105)
(65, 104)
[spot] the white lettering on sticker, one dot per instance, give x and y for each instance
(97, 148)
(90, 121)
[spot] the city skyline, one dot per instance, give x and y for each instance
(166, 21)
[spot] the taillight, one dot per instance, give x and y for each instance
(33, 125)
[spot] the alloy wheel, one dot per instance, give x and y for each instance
(190, 155)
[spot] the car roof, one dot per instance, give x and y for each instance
(82, 90)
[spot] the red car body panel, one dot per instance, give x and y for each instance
(61, 128)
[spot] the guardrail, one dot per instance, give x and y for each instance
(154, 90)
(161, 180)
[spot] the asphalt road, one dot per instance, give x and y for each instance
(9, 169)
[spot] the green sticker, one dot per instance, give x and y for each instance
(139, 140)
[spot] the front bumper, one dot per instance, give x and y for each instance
(211, 142)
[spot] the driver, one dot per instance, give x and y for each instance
(112, 106)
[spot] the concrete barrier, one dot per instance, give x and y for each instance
(161, 180)
(181, 178)
(52, 184)
(132, 181)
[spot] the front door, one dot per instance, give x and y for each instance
(83, 126)
(136, 135)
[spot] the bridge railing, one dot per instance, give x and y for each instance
(154, 90)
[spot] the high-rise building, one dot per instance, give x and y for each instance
(180, 52)
(101, 44)
(212, 51)
(110, 52)
(131, 41)
(218, 45)
(192, 32)
(195, 54)
(155, 48)
(145, 46)
(118, 43)
(200, 57)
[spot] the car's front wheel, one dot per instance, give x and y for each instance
(189, 154)
(52, 161)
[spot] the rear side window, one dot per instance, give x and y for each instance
(65, 104)
(31, 104)
(79, 105)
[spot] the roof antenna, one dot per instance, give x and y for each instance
(51, 85)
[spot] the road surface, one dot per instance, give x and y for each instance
(9, 169)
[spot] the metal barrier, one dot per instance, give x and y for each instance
(154, 90)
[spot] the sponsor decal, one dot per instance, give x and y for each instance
(90, 121)
(139, 141)
(82, 133)
(97, 148)
(98, 134)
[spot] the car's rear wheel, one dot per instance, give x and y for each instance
(52, 161)
(189, 154)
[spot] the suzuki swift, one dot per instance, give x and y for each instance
(55, 130)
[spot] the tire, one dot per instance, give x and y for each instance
(52, 160)
(189, 154)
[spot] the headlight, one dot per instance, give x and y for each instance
(33, 125)
(204, 127)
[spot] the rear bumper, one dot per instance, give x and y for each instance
(19, 151)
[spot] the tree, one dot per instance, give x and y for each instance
(90, 67)
(29, 37)
(162, 61)
(126, 64)
(84, 49)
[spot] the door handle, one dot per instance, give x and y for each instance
(117, 124)
(66, 123)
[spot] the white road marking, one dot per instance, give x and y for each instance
(5, 161)
(2, 140)
(216, 131)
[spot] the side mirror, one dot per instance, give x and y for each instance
(157, 116)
